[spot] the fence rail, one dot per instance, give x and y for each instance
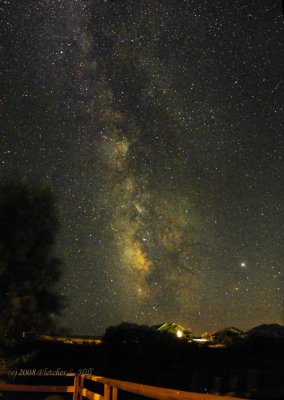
(111, 389)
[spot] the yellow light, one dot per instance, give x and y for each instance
(179, 333)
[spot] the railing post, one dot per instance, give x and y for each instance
(114, 393)
(76, 387)
(106, 392)
(81, 386)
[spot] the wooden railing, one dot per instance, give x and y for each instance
(8, 387)
(110, 388)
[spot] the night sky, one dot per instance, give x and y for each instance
(158, 125)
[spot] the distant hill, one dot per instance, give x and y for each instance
(274, 331)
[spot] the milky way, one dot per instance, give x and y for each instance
(158, 126)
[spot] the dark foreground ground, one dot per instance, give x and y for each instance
(252, 368)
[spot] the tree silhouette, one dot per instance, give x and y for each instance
(28, 267)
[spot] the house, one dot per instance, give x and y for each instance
(226, 335)
(175, 329)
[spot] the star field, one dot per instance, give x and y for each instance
(158, 125)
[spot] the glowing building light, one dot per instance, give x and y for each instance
(179, 333)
